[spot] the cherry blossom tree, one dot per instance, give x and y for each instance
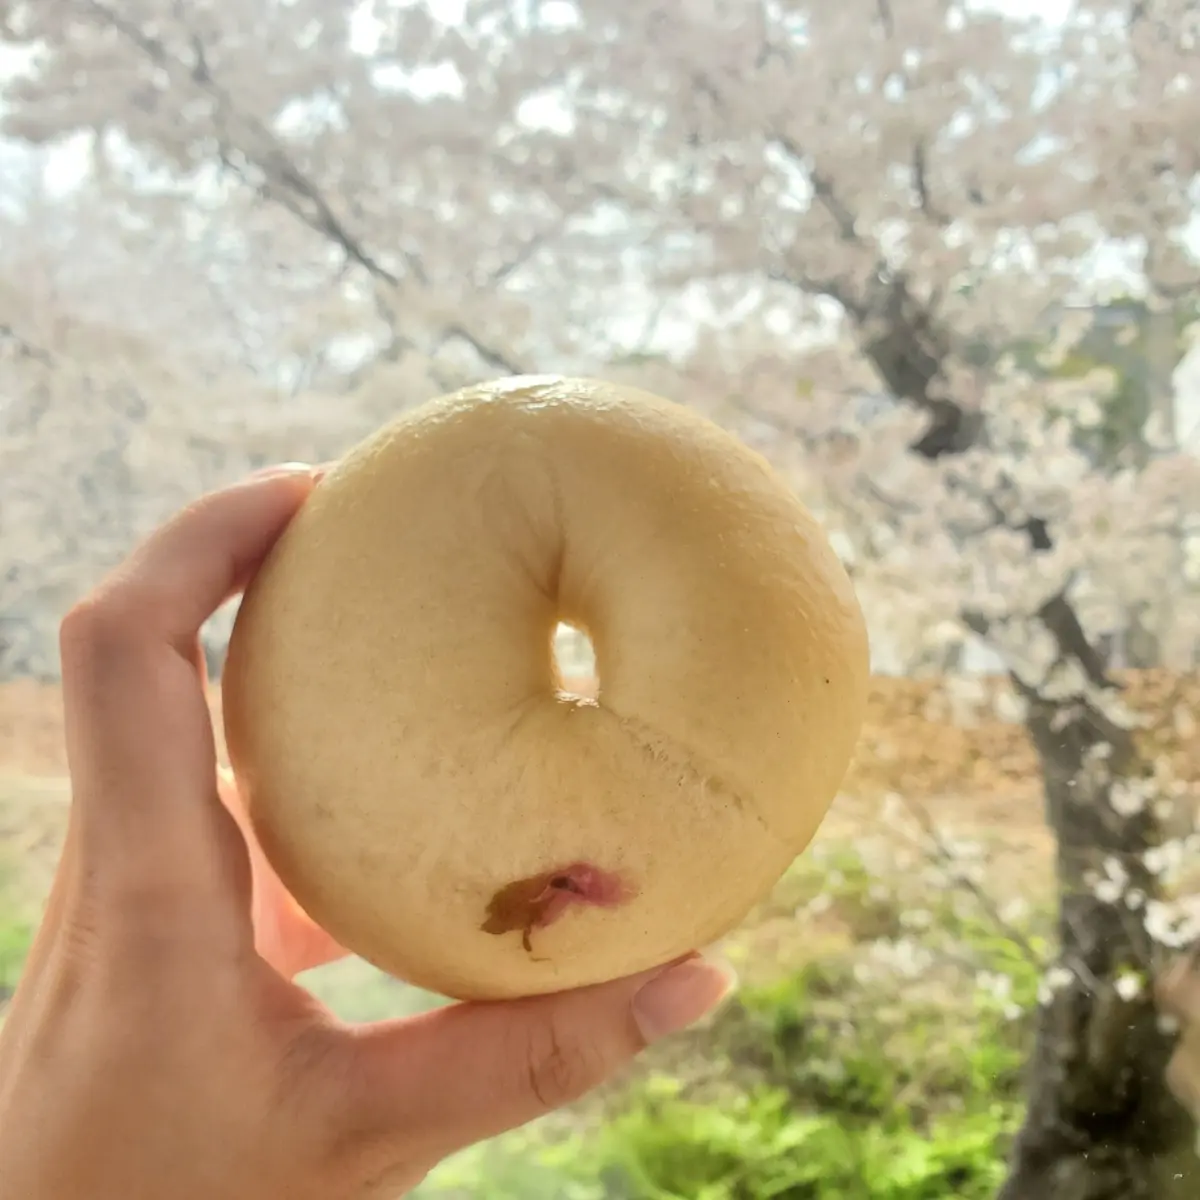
(110, 416)
(886, 219)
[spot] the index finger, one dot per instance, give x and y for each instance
(140, 744)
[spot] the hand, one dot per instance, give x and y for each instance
(284, 934)
(156, 1047)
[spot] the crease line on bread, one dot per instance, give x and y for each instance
(664, 749)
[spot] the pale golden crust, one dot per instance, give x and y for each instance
(390, 699)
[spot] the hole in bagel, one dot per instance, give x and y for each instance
(574, 663)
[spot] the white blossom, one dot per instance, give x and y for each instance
(1129, 985)
(1055, 980)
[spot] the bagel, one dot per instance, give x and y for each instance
(410, 760)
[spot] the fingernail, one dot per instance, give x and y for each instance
(288, 468)
(681, 996)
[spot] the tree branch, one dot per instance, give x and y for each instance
(284, 182)
(986, 903)
(920, 175)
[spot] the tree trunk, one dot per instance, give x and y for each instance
(1101, 1123)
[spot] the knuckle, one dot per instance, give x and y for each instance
(100, 627)
(559, 1068)
(91, 624)
(77, 629)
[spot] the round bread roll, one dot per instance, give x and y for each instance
(410, 761)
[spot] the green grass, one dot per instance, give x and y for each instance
(27, 808)
(356, 991)
(15, 936)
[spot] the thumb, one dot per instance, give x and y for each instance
(458, 1075)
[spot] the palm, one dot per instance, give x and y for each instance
(284, 934)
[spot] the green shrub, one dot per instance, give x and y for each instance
(759, 1146)
(755, 1146)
